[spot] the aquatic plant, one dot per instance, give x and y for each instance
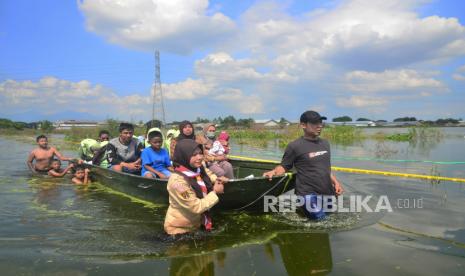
(343, 135)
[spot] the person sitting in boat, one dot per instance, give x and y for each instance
(81, 175)
(124, 151)
(170, 135)
(56, 170)
(103, 135)
(186, 131)
(219, 164)
(146, 139)
(192, 190)
(310, 155)
(207, 138)
(156, 161)
(43, 156)
(89, 147)
(101, 156)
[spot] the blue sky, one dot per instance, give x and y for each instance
(260, 59)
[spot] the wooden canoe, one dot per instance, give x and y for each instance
(242, 193)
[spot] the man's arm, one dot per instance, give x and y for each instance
(86, 176)
(97, 159)
(132, 165)
(278, 170)
(57, 174)
(29, 161)
(337, 185)
(286, 162)
(54, 173)
(58, 154)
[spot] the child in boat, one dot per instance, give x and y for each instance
(81, 175)
(56, 170)
(220, 165)
(156, 161)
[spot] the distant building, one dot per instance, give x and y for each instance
(356, 124)
(74, 123)
(402, 124)
(268, 123)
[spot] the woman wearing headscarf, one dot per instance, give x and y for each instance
(186, 131)
(208, 136)
(170, 135)
(192, 190)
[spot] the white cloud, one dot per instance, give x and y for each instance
(458, 77)
(187, 90)
(50, 95)
(361, 101)
(244, 104)
(178, 26)
(391, 80)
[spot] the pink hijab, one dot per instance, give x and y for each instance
(224, 136)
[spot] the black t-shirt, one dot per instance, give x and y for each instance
(311, 159)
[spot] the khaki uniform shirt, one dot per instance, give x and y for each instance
(185, 210)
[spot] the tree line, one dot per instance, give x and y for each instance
(441, 121)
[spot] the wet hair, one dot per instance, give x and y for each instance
(41, 137)
(55, 160)
(126, 126)
(78, 167)
(154, 134)
(103, 132)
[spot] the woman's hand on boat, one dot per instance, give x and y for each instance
(218, 188)
(221, 158)
(222, 180)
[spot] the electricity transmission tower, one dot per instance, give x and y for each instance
(158, 107)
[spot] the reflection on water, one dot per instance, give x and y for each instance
(293, 253)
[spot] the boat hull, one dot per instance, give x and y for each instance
(239, 194)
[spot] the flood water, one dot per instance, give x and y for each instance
(52, 227)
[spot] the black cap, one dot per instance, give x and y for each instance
(311, 117)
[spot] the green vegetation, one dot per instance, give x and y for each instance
(77, 134)
(342, 119)
(46, 126)
(343, 135)
(5, 123)
(399, 137)
(336, 134)
(405, 119)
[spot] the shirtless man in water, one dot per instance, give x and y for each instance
(43, 155)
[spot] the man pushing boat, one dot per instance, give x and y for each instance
(310, 155)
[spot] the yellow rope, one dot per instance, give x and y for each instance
(355, 170)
